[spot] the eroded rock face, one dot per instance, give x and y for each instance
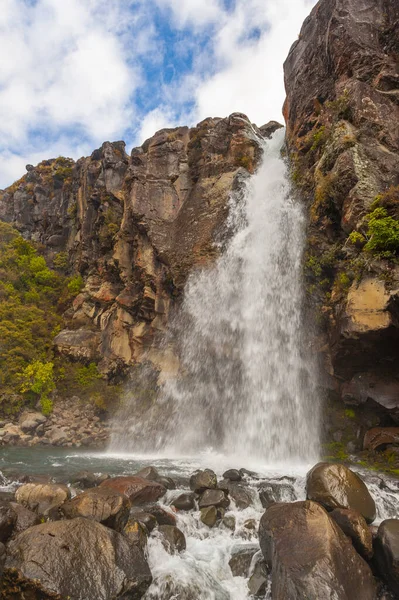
(76, 559)
(342, 113)
(336, 486)
(133, 226)
(310, 556)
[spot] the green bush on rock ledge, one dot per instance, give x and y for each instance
(38, 378)
(382, 233)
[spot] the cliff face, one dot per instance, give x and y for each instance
(342, 113)
(133, 227)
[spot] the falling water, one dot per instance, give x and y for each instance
(246, 383)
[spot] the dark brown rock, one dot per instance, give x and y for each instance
(104, 505)
(336, 486)
(209, 516)
(380, 436)
(241, 558)
(144, 518)
(77, 559)
(386, 547)
(232, 475)
(162, 516)
(136, 533)
(203, 480)
(214, 498)
(355, 527)
(138, 490)
(184, 502)
(8, 520)
(172, 538)
(25, 518)
(239, 492)
(310, 556)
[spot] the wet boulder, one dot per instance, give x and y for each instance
(8, 520)
(259, 577)
(86, 479)
(136, 533)
(209, 516)
(241, 558)
(151, 473)
(104, 505)
(173, 539)
(203, 480)
(144, 518)
(232, 475)
(239, 492)
(336, 486)
(184, 502)
(276, 491)
(310, 556)
(386, 550)
(25, 518)
(355, 527)
(162, 516)
(42, 498)
(78, 559)
(216, 498)
(137, 489)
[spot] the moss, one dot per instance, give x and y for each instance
(350, 413)
(75, 285)
(323, 203)
(319, 138)
(382, 233)
(61, 261)
(335, 451)
(340, 108)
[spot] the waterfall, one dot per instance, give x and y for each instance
(247, 381)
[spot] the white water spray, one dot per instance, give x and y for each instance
(247, 382)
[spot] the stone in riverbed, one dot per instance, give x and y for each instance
(106, 506)
(8, 520)
(172, 538)
(144, 518)
(209, 516)
(310, 556)
(241, 494)
(354, 526)
(78, 559)
(241, 558)
(162, 516)
(386, 549)
(41, 498)
(137, 489)
(184, 502)
(232, 475)
(31, 421)
(136, 533)
(25, 518)
(86, 479)
(229, 521)
(151, 473)
(203, 480)
(259, 577)
(336, 486)
(214, 498)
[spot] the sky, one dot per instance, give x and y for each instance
(76, 73)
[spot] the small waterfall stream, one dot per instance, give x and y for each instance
(246, 383)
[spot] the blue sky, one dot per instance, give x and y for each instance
(74, 73)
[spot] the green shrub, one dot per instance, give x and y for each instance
(319, 138)
(38, 378)
(61, 261)
(357, 239)
(86, 375)
(382, 233)
(75, 285)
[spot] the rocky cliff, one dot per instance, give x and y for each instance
(130, 229)
(342, 114)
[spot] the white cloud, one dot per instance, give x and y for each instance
(193, 12)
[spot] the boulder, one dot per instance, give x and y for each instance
(41, 498)
(172, 538)
(86, 479)
(336, 486)
(25, 518)
(104, 505)
(209, 516)
(276, 491)
(386, 549)
(144, 518)
(380, 436)
(78, 559)
(151, 473)
(137, 489)
(258, 580)
(229, 521)
(232, 475)
(136, 533)
(214, 498)
(8, 520)
(310, 556)
(203, 480)
(241, 558)
(31, 421)
(184, 502)
(241, 494)
(162, 516)
(355, 527)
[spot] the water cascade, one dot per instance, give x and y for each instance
(247, 381)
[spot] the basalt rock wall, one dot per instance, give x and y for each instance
(342, 115)
(133, 228)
